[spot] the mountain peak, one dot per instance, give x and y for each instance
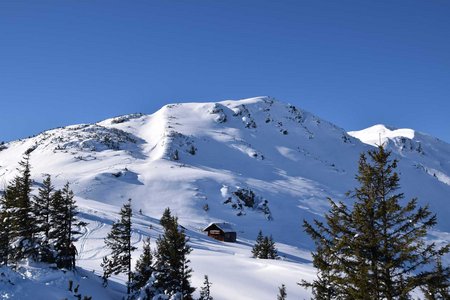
(381, 133)
(256, 163)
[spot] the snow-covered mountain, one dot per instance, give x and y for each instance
(427, 153)
(200, 158)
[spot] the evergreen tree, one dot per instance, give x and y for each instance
(58, 235)
(264, 253)
(18, 212)
(119, 241)
(329, 276)
(272, 252)
(377, 249)
(264, 247)
(172, 271)
(166, 218)
(41, 211)
(282, 293)
(41, 206)
(438, 282)
(144, 267)
(205, 292)
(5, 231)
(257, 248)
(64, 226)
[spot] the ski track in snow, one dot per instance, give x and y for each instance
(83, 252)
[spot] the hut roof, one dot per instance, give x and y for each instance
(225, 227)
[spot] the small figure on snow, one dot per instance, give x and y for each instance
(73, 253)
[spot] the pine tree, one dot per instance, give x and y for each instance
(272, 252)
(41, 211)
(64, 226)
(144, 267)
(119, 241)
(282, 293)
(58, 232)
(205, 292)
(323, 287)
(264, 254)
(328, 237)
(377, 249)
(257, 248)
(172, 271)
(166, 218)
(20, 223)
(437, 285)
(41, 206)
(264, 247)
(5, 232)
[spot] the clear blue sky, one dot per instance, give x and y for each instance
(355, 63)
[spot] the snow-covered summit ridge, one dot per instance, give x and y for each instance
(381, 133)
(425, 152)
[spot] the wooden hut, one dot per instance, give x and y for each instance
(221, 231)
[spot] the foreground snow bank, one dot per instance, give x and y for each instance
(42, 282)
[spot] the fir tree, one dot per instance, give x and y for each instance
(172, 271)
(119, 241)
(144, 267)
(41, 210)
(5, 231)
(73, 223)
(257, 248)
(437, 285)
(64, 226)
(41, 206)
(205, 292)
(58, 235)
(377, 249)
(20, 223)
(282, 293)
(264, 247)
(166, 218)
(327, 284)
(264, 253)
(272, 252)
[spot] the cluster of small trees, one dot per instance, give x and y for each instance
(41, 228)
(264, 247)
(376, 249)
(165, 271)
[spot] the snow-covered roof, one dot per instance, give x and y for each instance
(225, 227)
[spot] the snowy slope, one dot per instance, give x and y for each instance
(428, 154)
(186, 156)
